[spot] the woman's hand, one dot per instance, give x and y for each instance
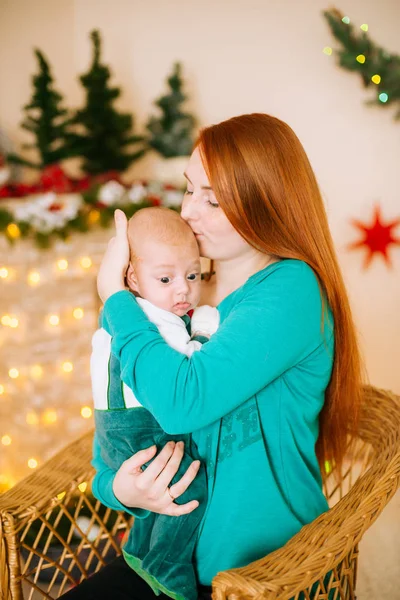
(114, 264)
(149, 489)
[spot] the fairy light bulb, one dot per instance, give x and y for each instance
(14, 322)
(6, 440)
(32, 463)
(6, 320)
(86, 412)
(361, 59)
(4, 272)
(34, 278)
(327, 50)
(54, 320)
(50, 416)
(82, 486)
(13, 231)
(36, 371)
(32, 418)
(383, 97)
(364, 27)
(67, 367)
(78, 313)
(346, 20)
(86, 262)
(13, 373)
(62, 264)
(2, 389)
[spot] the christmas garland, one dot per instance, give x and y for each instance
(50, 213)
(360, 54)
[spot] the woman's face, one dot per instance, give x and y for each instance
(216, 237)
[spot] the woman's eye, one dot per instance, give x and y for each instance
(213, 204)
(188, 192)
(192, 276)
(165, 279)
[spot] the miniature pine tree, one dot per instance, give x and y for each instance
(46, 119)
(172, 134)
(106, 138)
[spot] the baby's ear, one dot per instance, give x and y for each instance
(131, 278)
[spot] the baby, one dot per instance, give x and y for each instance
(165, 275)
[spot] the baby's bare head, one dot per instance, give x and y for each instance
(159, 225)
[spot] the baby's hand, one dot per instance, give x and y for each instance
(205, 320)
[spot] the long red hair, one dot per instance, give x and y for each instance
(265, 185)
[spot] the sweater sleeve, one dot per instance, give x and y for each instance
(102, 485)
(275, 325)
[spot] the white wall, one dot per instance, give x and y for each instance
(241, 56)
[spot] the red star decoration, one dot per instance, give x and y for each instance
(377, 237)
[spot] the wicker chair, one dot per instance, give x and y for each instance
(319, 562)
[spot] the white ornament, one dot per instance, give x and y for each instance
(49, 211)
(137, 193)
(91, 531)
(111, 193)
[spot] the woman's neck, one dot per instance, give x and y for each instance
(232, 274)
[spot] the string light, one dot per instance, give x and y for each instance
(50, 416)
(14, 322)
(62, 264)
(82, 486)
(36, 371)
(4, 273)
(33, 278)
(6, 320)
(364, 27)
(383, 97)
(360, 58)
(13, 231)
(2, 390)
(13, 373)
(86, 262)
(67, 367)
(54, 320)
(78, 313)
(32, 463)
(6, 440)
(32, 418)
(93, 217)
(86, 412)
(61, 495)
(327, 50)
(376, 79)
(346, 20)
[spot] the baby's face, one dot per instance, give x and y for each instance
(169, 276)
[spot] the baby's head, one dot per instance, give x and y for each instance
(164, 260)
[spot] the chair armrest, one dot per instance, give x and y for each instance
(331, 540)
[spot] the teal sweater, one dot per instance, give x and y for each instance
(251, 398)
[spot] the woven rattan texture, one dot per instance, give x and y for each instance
(53, 533)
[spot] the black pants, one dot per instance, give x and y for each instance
(117, 581)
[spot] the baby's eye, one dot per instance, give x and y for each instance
(193, 276)
(165, 280)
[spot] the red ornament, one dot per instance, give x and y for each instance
(155, 200)
(53, 179)
(377, 237)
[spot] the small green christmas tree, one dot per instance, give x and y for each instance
(172, 134)
(46, 119)
(107, 133)
(359, 53)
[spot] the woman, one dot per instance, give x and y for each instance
(272, 396)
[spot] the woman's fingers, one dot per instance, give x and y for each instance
(182, 485)
(137, 460)
(151, 473)
(176, 510)
(170, 470)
